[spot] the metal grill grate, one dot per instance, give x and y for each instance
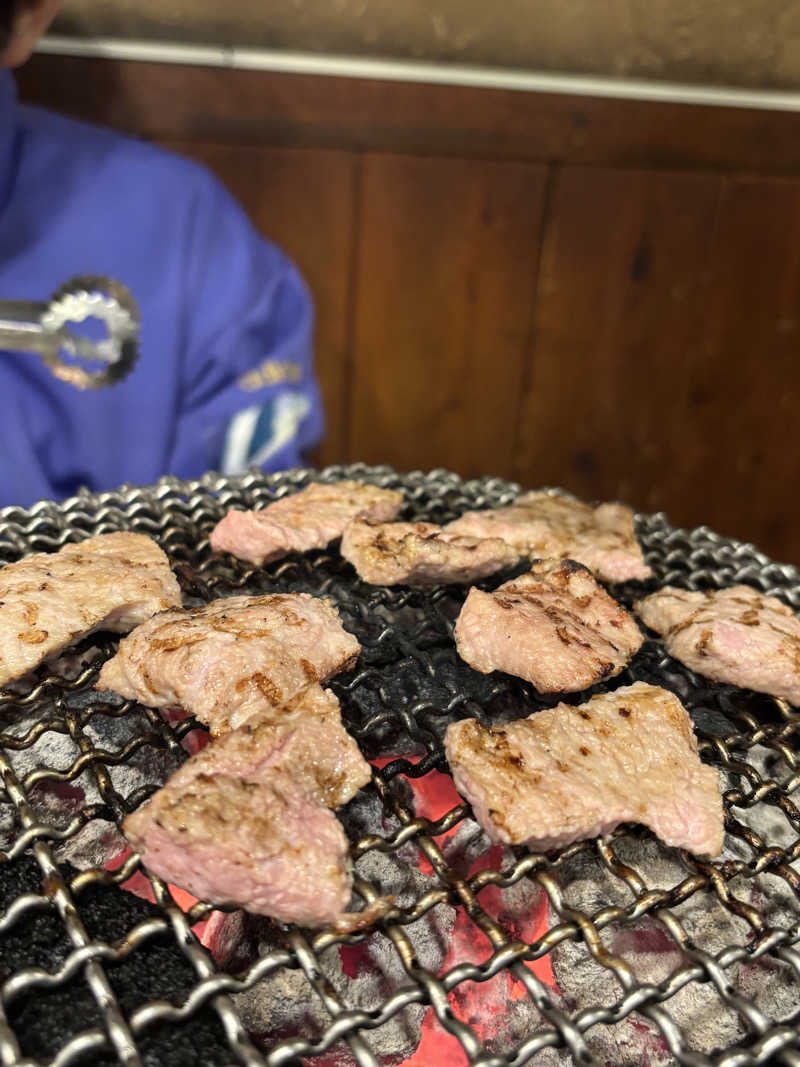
(89, 973)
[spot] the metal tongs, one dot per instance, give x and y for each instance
(44, 328)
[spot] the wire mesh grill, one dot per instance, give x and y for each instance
(639, 954)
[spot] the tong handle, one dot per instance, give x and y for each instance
(20, 326)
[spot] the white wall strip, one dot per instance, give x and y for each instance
(416, 71)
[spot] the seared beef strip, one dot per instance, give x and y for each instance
(304, 737)
(567, 774)
(421, 553)
(309, 519)
(246, 820)
(735, 635)
(554, 626)
(544, 525)
(232, 658)
(49, 601)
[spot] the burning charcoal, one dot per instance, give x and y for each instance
(364, 975)
(652, 953)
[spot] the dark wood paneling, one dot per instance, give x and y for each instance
(306, 201)
(448, 254)
(210, 104)
(743, 466)
(620, 302)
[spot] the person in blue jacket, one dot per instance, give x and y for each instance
(225, 376)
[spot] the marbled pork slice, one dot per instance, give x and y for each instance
(246, 822)
(734, 635)
(567, 774)
(421, 553)
(554, 626)
(48, 601)
(232, 658)
(547, 525)
(309, 519)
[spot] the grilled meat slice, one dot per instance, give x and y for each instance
(49, 601)
(567, 774)
(232, 658)
(246, 820)
(421, 553)
(554, 626)
(544, 525)
(305, 738)
(270, 848)
(305, 520)
(735, 635)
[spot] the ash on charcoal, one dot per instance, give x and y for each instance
(365, 814)
(147, 766)
(54, 751)
(10, 826)
(95, 845)
(653, 955)
(364, 975)
(113, 731)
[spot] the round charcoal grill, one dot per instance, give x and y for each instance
(617, 950)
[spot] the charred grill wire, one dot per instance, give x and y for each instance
(90, 973)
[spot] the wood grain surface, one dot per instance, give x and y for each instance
(448, 255)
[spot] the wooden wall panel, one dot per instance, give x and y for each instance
(305, 200)
(743, 466)
(620, 303)
(447, 262)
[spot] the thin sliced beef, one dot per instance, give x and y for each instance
(246, 821)
(305, 737)
(48, 601)
(567, 774)
(735, 635)
(421, 553)
(555, 627)
(309, 519)
(546, 525)
(232, 658)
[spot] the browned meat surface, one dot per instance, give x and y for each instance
(309, 519)
(567, 774)
(49, 601)
(555, 627)
(544, 525)
(421, 553)
(246, 820)
(305, 738)
(232, 658)
(735, 635)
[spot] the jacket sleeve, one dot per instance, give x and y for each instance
(248, 392)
